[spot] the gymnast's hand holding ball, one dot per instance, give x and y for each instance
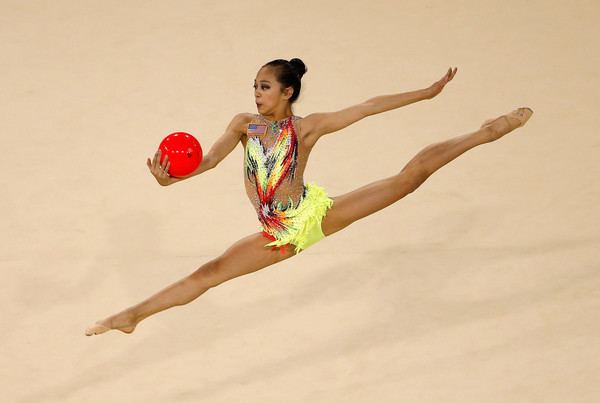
(182, 155)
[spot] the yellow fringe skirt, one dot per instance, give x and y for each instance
(303, 223)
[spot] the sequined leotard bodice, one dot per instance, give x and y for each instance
(274, 162)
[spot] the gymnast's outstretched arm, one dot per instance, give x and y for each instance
(318, 124)
(220, 149)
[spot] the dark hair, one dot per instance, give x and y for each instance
(288, 74)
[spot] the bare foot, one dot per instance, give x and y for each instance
(507, 123)
(123, 321)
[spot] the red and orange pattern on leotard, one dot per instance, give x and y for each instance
(267, 168)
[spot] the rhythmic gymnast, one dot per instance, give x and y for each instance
(294, 215)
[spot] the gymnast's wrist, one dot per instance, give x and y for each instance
(428, 93)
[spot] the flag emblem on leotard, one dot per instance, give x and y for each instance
(254, 128)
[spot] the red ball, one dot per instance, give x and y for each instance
(184, 151)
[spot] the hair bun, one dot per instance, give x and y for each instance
(298, 66)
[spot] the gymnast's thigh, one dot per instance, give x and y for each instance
(359, 203)
(247, 255)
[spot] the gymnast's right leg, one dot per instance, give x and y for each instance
(368, 199)
(245, 256)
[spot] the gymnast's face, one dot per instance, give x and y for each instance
(268, 93)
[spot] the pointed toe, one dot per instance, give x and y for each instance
(96, 328)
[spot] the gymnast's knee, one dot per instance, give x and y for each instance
(208, 274)
(411, 177)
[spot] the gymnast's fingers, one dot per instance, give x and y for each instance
(453, 73)
(156, 160)
(165, 161)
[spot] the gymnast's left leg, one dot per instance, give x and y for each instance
(243, 257)
(375, 196)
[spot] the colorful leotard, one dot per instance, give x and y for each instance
(274, 162)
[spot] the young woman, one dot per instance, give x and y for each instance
(294, 215)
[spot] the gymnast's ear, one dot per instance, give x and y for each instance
(288, 92)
